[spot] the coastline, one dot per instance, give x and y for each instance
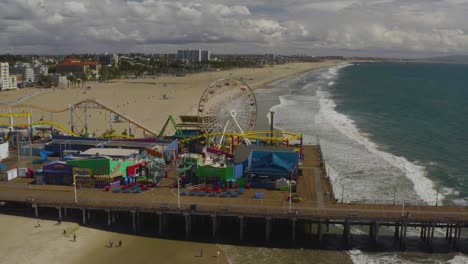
(54, 248)
(150, 103)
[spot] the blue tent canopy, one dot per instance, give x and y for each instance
(268, 162)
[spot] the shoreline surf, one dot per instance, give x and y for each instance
(417, 174)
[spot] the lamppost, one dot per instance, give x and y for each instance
(178, 191)
(437, 197)
(74, 187)
(272, 114)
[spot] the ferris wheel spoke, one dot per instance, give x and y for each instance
(247, 141)
(224, 131)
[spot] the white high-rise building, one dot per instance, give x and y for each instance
(13, 82)
(205, 55)
(4, 76)
(193, 55)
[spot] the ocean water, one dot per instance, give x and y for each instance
(390, 132)
(414, 111)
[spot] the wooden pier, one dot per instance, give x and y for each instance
(318, 208)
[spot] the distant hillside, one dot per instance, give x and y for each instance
(450, 59)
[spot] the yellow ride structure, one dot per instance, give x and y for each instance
(78, 124)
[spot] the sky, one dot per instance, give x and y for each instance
(386, 28)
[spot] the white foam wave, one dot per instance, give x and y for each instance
(358, 257)
(458, 259)
(331, 83)
(291, 114)
(417, 174)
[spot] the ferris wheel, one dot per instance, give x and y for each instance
(227, 106)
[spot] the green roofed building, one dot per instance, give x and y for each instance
(102, 165)
(214, 173)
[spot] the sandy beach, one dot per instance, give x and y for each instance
(26, 243)
(142, 99)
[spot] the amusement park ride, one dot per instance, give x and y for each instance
(78, 118)
(227, 114)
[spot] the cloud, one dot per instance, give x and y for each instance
(416, 27)
(74, 8)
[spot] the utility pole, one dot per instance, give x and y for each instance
(178, 180)
(437, 197)
(394, 195)
(272, 114)
(178, 191)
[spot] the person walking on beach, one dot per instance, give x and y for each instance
(74, 237)
(120, 243)
(111, 243)
(64, 232)
(217, 253)
(201, 253)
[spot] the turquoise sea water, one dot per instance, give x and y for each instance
(418, 111)
(390, 132)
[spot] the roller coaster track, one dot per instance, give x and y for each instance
(82, 104)
(260, 135)
(41, 123)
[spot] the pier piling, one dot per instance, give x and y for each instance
(267, 228)
(161, 223)
(293, 231)
(396, 233)
(241, 228)
(347, 232)
(84, 216)
(214, 227)
(133, 212)
(108, 217)
(36, 210)
(187, 225)
(59, 213)
(319, 231)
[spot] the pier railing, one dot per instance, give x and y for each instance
(266, 208)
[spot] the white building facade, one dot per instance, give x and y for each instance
(193, 55)
(40, 70)
(5, 77)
